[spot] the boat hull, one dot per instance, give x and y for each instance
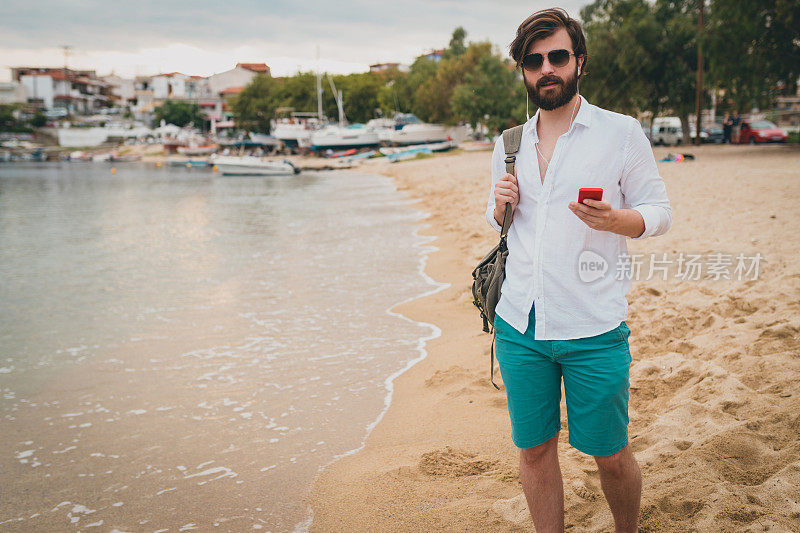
(253, 166)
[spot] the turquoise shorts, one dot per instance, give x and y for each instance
(596, 382)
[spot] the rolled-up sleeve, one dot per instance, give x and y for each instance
(498, 171)
(642, 187)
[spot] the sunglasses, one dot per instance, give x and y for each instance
(557, 58)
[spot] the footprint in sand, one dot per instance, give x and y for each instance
(515, 510)
(454, 374)
(452, 462)
(579, 487)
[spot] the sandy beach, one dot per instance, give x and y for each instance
(714, 422)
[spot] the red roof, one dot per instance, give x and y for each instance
(232, 90)
(255, 67)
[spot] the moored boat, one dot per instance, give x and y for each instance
(253, 166)
(344, 137)
(204, 149)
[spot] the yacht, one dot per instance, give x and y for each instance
(253, 166)
(340, 137)
(408, 129)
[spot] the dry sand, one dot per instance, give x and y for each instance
(714, 412)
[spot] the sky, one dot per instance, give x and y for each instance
(202, 37)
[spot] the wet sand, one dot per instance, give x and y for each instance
(714, 422)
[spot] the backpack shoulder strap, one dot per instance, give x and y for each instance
(512, 138)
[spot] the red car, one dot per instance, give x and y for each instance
(761, 131)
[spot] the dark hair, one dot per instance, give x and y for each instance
(543, 24)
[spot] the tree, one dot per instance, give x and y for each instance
(456, 48)
(753, 49)
(38, 120)
(10, 119)
(433, 97)
(299, 91)
(623, 55)
(359, 95)
(677, 82)
(642, 56)
(487, 90)
(179, 113)
(255, 106)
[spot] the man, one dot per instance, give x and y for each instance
(555, 317)
(727, 126)
(736, 124)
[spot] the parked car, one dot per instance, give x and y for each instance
(713, 134)
(761, 131)
(667, 131)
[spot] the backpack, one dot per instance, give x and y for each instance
(488, 276)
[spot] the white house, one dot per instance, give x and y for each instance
(239, 76)
(40, 88)
(12, 92)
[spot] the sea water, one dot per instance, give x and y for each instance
(184, 350)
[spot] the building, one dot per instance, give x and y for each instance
(73, 91)
(82, 92)
(382, 67)
(787, 110)
(13, 92)
(435, 55)
(123, 90)
(239, 76)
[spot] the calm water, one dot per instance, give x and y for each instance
(181, 350)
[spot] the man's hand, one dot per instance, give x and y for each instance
(505, 190)
(599, 215)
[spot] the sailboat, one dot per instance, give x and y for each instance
(343, 136)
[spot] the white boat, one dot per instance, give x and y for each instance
(433, 147)
(253, 166)
(267, 140)
(202, 149)
(411, 130)
(82, 136)
(97, 136)
(384, 127)
(341, 137)
(293, 135)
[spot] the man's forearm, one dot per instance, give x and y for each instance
(628, 222)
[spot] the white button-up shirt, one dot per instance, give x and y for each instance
(548, 266)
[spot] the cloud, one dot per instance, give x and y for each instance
(201, 37)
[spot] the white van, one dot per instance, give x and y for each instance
(667, 130)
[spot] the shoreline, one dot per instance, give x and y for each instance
(427, 309)
(425, 249)
(441, 456)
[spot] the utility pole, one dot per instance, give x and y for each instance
(66, 48)
(698, 105)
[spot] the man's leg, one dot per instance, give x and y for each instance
(621, 480)
(540, 474)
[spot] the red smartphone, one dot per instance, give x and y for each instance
(589, 192)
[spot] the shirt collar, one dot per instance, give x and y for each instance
(584, 117)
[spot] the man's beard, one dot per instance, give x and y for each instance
(553, 98)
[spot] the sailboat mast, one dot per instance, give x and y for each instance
(338, 96)
(319, 88)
